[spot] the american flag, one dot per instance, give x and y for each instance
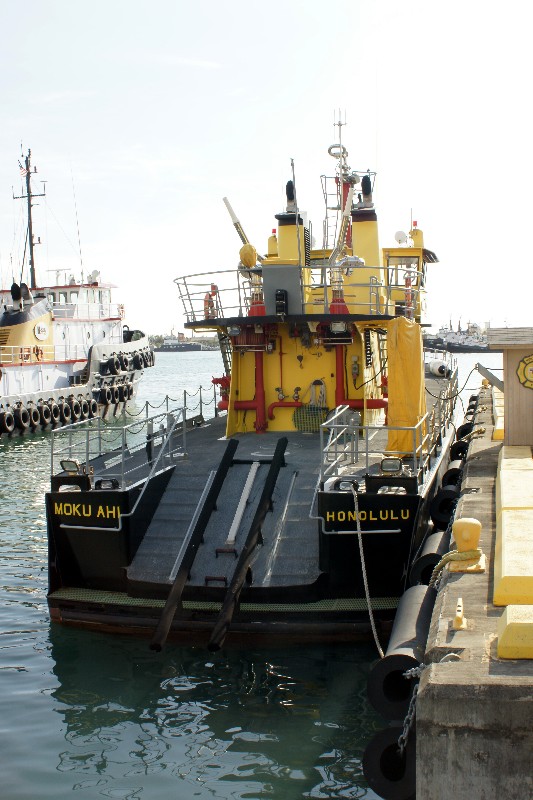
(23, 170)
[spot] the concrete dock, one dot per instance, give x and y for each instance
(474, 712)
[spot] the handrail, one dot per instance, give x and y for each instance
(145, 484)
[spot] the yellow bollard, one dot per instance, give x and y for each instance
(466, 533)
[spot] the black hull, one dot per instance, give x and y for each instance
(108, 569)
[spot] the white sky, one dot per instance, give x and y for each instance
(156, 110)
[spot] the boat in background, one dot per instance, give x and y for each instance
(65, 352)
(471, 340)
(297, 512)
(177, 344)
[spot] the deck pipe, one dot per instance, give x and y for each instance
(388, 690)
(340, 394)
(390, 773)
(435, 546)
(258, 403)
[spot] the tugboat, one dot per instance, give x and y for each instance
(297, 511)
(65, 352)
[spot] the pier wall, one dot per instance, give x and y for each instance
(474, 716)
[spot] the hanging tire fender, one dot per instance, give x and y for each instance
(22, 417)
(7, 422)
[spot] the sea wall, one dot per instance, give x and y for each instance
(474, 715)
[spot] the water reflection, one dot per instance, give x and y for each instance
(243, 724)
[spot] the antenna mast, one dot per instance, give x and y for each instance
(25, 171)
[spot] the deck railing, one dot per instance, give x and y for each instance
(113, 450)
(347, 446)
(230, 293)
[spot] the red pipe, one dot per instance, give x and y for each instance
(340, 396)
(283, 404)
(258, 403)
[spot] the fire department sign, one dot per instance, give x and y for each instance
(525, 372)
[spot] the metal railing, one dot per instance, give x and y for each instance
(97, 443)
(230, 293)
(109, 452)
(346, 445)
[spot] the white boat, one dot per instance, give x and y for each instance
(65, 352)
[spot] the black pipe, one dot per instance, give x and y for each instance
(176, 590)
(254, 535)
(388, 690)
(434, 548)
(389, 772)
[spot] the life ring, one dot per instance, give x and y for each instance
(113, 364)
(105, 395)
(45, 414)
(22, 417)
(338, 151)
(93, 408)
(7, 422)
(65, 412)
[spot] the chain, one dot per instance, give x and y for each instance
(409, 719)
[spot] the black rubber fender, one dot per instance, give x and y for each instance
(54, 411)
(84, 408)
(113, 364)
(45, 415)
(22, 418)
(75, 409)
(459, 450)
(464, 429)
(105, 395)
(115, 394)
(35, 417)
(442, 506)
(453, 474)
(7, 422)
(65, 412)
(93, 408)
(389, 773)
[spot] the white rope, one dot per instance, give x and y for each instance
(365, 579)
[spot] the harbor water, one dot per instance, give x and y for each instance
(91, 715)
